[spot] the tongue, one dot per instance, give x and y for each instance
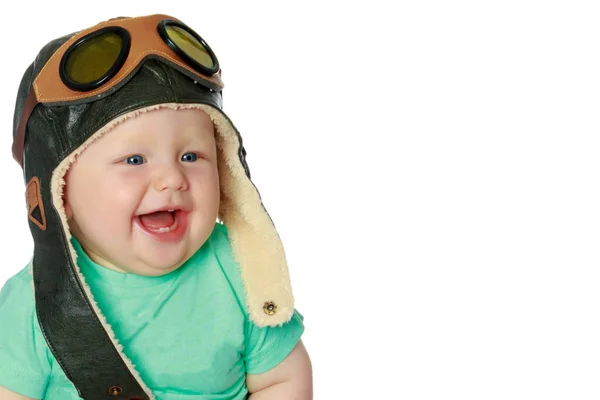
(157, 220)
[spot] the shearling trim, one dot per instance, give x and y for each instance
(254, 240)
(256, 245)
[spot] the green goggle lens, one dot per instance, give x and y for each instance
(190, 45)
(92, 60)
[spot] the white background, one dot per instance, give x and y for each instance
(432, 168)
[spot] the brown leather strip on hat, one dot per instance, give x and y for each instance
(145, 40)
(19, 139)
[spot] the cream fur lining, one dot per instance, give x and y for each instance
(254, 240)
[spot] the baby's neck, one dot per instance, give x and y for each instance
(101, 261)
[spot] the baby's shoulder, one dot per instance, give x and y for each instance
(220, 244)
(19, 285)
(17, 300)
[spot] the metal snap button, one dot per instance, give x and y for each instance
(270, 308)
(115, 390)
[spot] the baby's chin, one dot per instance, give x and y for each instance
(152, 271)
(156, 267)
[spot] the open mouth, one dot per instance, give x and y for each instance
(160, 221)
(165, 225)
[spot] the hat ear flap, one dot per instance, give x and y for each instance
(256, 244)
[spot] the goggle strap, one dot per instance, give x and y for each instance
(19, 140)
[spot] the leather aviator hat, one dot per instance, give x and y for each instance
(81, 86)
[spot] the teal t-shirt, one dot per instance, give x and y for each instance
(187, 333)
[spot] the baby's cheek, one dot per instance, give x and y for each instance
(128, 180)
(116, 194)
(206, 184)
(127, 174)
(206, 173)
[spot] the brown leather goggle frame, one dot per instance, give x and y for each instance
(145, 41)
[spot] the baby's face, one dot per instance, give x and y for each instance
(158, 161)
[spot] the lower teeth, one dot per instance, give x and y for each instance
(164, 229)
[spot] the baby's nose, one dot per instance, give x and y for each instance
(170, 178)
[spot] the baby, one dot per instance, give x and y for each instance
(157, 272)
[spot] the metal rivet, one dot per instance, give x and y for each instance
(270, 308)
(115, 390)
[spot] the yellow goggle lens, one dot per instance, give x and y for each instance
(92, 59)
(190, 45)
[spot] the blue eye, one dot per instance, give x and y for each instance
(189, 157)
(135, 160)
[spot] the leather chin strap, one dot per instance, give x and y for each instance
(89, 359)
